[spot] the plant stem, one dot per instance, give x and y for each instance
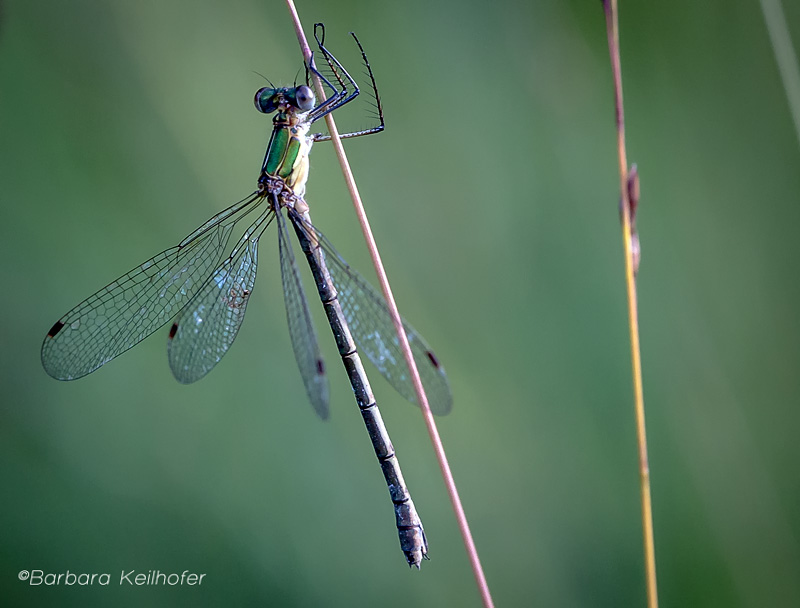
(630, 238)
(784, 56)
(422, 398)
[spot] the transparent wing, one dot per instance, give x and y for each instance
(373, 331)
(208, 324)
(129, 309)
(301, 329)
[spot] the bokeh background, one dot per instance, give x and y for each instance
(493, 195)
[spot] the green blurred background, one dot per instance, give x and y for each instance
(493, 195)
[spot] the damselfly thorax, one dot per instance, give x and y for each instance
(286, 157)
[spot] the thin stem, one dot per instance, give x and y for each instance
(631, 243)
(784, 56)
(422, 398)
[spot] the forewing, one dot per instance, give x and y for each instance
(208, 325)
(372, 328)
(301, 329)
(129, 309)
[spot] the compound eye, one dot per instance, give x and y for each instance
(266, 100)
(304, 97)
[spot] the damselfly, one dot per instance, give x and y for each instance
(205, 287)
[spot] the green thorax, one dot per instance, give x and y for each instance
(287, 154)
